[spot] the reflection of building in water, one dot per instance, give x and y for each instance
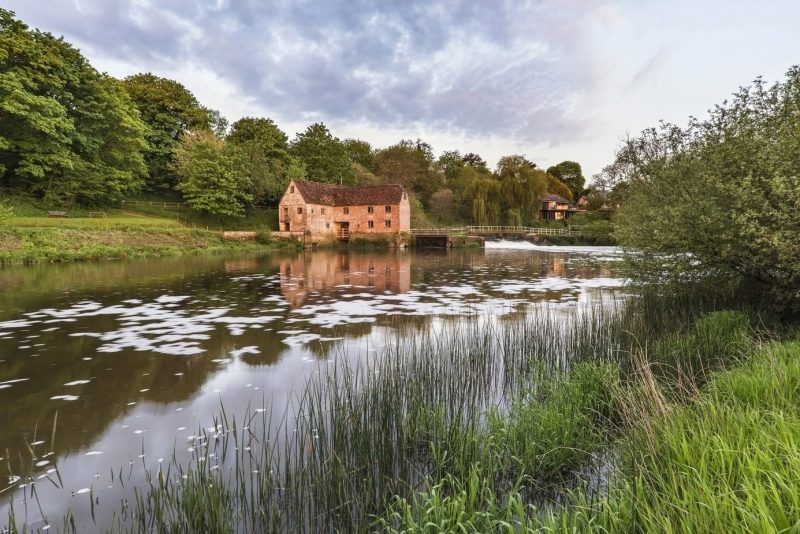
(557, 265)
(320, 273)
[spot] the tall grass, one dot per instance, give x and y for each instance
(474, 425)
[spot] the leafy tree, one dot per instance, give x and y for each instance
(476, 162)
(482, 196)
(324, 156)
(212, 174)
(522, 187)
(443, 205)
(571, 174)
(360, 152)
(169, 110)
(70, 134)
(270, 166)
(410, 164)
(725, 190)
(450, 164)
(557, 187)
(218, 123)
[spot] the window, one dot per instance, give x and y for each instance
(346, 210)
(388, 223)
(285, 212)
(370, 209)
(370, 224)
(299, 211)
(322, 211)
(327, 225)
(291, 189)
(388, 209)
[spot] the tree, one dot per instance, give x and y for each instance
(212, 174)
(270, 166)
(169, 110)
(69, 134)
(571, 174)
(718, 199)
(482, 195)
(450, 164)
(324, 156)
(476, 162)
(360, 152)
(557, 187)
(522, 188)
(410, 164)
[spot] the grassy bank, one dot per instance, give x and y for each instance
(29, 236)
(563, 418)
(76, 241)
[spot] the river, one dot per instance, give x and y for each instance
(127, 360)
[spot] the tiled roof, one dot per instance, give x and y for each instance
(550, 197)
(336, 195)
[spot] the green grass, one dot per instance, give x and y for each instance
(115, 220)
(30, 245)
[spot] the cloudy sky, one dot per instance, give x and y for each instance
(551, 79)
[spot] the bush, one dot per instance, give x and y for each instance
(719, 197)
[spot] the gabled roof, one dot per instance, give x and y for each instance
(550, 197)
(337, 195)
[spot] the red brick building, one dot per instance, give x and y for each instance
(332, 211)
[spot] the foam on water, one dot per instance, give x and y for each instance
(504, 244)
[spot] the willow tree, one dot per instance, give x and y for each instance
(522, 187)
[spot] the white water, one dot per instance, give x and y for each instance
(504, 244)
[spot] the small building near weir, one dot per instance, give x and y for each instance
(327, 212)
(556, 208)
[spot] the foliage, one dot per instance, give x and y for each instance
(570, 173)
(557, 187)
(6, 212)
(450, 164)
(410, 164)
(270, 166)
(360, 152)
(212, 175)
(70, 134)
(723, 190)
(324, 156)
(169, 110)
(521, 190)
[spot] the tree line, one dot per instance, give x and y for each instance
(71, 135)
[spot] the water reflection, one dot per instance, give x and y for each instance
(138, 354)
(313, 276)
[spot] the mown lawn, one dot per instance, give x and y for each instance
(113, 221)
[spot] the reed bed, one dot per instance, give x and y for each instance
(478, 425)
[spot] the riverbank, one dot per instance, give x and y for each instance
(73, 242)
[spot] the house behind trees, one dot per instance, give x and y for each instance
(556, 208)
(337, 212)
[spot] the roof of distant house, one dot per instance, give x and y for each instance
(550, 197)
(337, 195)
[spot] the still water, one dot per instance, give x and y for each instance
(127, 360)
